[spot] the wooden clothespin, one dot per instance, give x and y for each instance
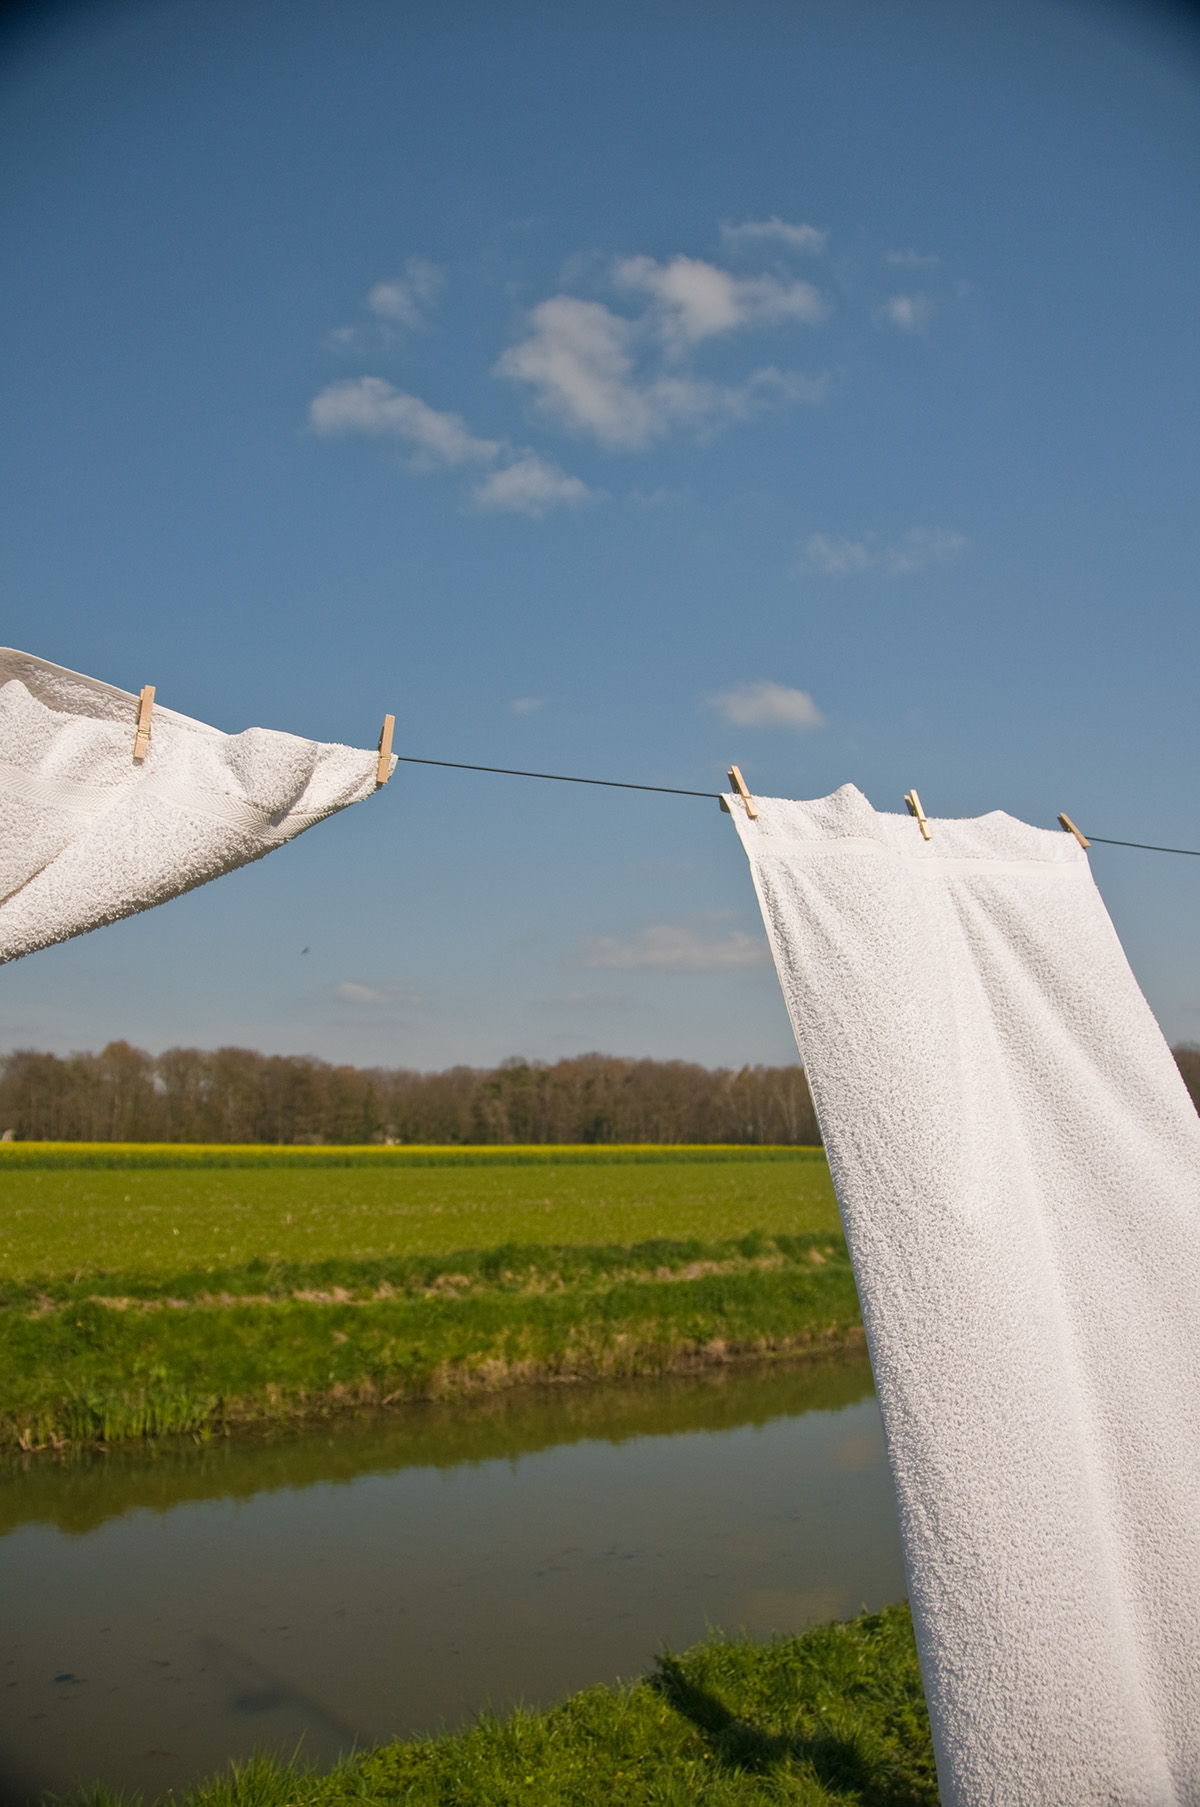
(141, 740)
(739, 785)
(383, 769)
(914, 809)
(1070, 828)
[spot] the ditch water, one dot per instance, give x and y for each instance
(163, 1614)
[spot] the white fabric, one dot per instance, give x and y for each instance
(1017, 1164)
(87, 835)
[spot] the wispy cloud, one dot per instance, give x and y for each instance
(579, 360)
(387, 996)
(768, 705)
(907, 313)
(677, 947)
(368, 404)
(526, 705)
(695, 300)
(914, 551)
(399, 305)
(531, 485)
(402, 300)
(756, 232)
(519, 482)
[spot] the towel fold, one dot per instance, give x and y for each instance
(87, 835)
(1017, 1164)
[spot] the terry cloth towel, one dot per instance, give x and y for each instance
(87, 835)
(1017, 1164)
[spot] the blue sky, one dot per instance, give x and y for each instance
(608, 388)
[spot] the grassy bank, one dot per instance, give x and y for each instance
(77, 1487)
(164, 1209)
(149, 1290)
(122, 1355)
(836, 1715)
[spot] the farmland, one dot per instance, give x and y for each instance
(164, 1209)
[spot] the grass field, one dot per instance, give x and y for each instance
(834, 1716)
(147, 1301)
(59, 1220)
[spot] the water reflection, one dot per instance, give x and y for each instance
(165, 1613)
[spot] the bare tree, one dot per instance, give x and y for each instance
(236, 1095)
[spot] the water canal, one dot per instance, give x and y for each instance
(162, 1614)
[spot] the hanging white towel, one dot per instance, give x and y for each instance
(1017, 1164)
(88, 835)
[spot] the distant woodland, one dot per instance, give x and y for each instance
(234, 1095)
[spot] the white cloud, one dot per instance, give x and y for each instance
(908, 313)
(350, 992)
(836, 558)
(914, 551)
(697, 299)
(923, 546)
(368, 404)
(519, 482)
(530, 485)
(624, 379)
(754, 232)
(401, 300)
(526, 705)
(579, 360)
(677, 947)
(768, 705)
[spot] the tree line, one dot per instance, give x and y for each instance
(235, 1095)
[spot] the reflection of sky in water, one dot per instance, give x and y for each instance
(341, 1606)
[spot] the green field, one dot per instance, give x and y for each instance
(833, 1718)
(186, 1296)
(60, 1220)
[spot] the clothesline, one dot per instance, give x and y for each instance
(1145, 846)
(670, 790)
(613, 784)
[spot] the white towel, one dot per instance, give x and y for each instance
(88, 835)
(1018, 1169)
